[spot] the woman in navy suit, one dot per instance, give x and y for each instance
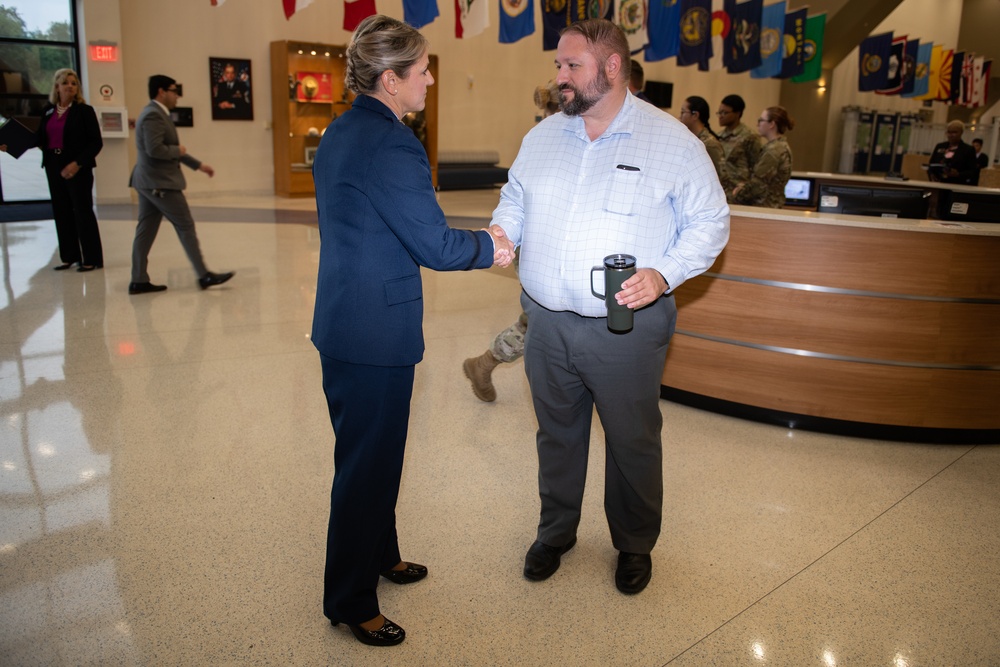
(70, 139)
(379, 223)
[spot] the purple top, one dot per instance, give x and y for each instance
(54, 130)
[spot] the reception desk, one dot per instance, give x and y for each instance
(872, 327)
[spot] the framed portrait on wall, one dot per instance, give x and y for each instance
(232, 88)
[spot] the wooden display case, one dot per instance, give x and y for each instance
(307, 94)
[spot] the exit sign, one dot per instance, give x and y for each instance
(104, 53)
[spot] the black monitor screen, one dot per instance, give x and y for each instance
(876, 202)
(660, 93)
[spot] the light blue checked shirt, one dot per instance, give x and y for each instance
(646, 187)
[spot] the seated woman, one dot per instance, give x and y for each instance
(766, 186)
(695, 115)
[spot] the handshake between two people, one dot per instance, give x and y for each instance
(503, 249)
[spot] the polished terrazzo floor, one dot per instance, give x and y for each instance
(165, 463)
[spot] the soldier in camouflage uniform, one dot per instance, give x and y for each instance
(695, 116)
(766, 185)
(740, 143)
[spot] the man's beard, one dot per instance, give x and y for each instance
(584, 100)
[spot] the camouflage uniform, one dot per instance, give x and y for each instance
(766, 186)
(715, 150)
(742, 146)
(508, 346)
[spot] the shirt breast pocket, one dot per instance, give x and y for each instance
(623, 191)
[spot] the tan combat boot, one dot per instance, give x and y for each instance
(478, 370)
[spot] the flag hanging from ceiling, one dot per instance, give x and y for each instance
(292, 6)
(957, 65)
(921, 71)
(894, 73)
(910, 67)
(557, 14)
(218, 3)
(943, 91)
(742, 44)
(934, 73)
(597, 9)
(772, 41)
(663, 24)
(355, 12)
(630, 16)
(873, 62)
(517, 20)
(471, 18)
(695, 31)
(812, 49)
(981, 82)
(419, 13)
(720, 30)
(795, 36)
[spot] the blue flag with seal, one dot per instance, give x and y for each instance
(910, 66)
(419, 13)
(772, 41)
(664, 29)
(793, 62)
(922, 71)
(517, 20)
(873, 62)
(555, 17)
(696, 33)
(742, 43)
(894, 82)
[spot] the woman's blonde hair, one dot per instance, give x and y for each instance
(59, 78)
(381, 43)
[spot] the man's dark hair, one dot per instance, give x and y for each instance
(735, 102)
(978, 141)
(637, 76)
(159, 82)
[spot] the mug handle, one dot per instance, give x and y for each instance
(592, 290)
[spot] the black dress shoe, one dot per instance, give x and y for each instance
(142, 288)
(62, 267)
(210, 279)
(542, 561)
(413, 572)
(83, 268)
(389, 634)
(633, 573)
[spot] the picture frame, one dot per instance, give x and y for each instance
(231, 85)
(113, 122)
(310, 154)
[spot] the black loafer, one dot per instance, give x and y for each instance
(210, 279)
(389, 634)
(413, 572)
(542, 561)
(633, 573)
(143, 288)
(63, 267)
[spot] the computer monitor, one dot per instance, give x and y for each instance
(876, 202)
(660, 93)
(799, 192)
(968, 206)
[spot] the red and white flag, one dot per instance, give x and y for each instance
(357, 11)
(292, 6)
(471, 17)
(218, 3)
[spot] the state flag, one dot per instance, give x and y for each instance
(943, 85)
(517, 20)
(894, 75)
(873, 62)
(630, 16)
(695, 34)
(955, 91)
(795, 35)
(772, 41)
(812, 49)
(720, 30)
(663, 24)
(472, 17)
(419, 13)
(910, 67)
(742, 44)
(921, 71)
(981, 83)
(292, 6)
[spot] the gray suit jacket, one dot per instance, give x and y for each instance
(158, 162)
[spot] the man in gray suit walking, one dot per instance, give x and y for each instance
(158, 179)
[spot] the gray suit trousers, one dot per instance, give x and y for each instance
(152, 209)
(575, 364)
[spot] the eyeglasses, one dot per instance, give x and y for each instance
(684, 111)
(723, 112)
(173, 90)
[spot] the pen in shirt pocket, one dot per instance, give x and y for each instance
(627, 167)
